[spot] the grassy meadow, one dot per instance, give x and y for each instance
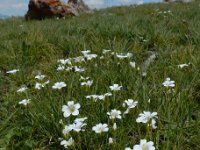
(169, 31)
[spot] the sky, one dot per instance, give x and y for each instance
(19, 7)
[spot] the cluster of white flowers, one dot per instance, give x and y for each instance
(41, 84)
(86, 81)
(72, 109)
(98, 97)
(149, 118)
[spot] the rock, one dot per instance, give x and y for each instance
(40, 9)
(80, 6)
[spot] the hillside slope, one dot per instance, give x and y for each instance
(171, 32)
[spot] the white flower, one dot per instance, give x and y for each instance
(86, 52)
(80, 119)
(132, 64)
(77, 126)
(147, 117)
(99, 128)
(79, 59)
(87, 83)
(102, 57)
(59, 85)
(61, 67)
(65, 61)
(22, 89)
(182, 65)
(114, 114)
(169, 83)
(144, 145)
(115, 87)
(84, 78)
(129, 55)
(66, 130)
(114, 126)
(70, 109)
(98, 97)
(40, 77)
(24, 102)
(108, 94)
(12, 71)
(68, 143)
(90, 56)
(78, 69)
(106, 51)
(110, 140)
(131, 104)
(69, 69)
(41, 85)
(123, 56)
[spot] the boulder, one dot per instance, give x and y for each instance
(40, 9)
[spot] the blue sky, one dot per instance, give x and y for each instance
(19, 7)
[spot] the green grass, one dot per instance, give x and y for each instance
(37, 45)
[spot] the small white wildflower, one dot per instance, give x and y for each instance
(182, 65)
(68, 143)
(121, 56)
(70, 109)
(60, 121)
(12, 71)
(65, 61)
(144, 74)
(115, 87)
(68, 69)
(132, 64)
(86, 52)
(78, 69)
(66, 130)
(108, 94)
(80, 119)
(147, 117)
(114, 114)
(38, 86)
(24, 102)
(87, 83)
(130, 103)
(102, 57)
(79, 59)
(59, 85)
(110, 140)
(169, 83)
(90, 56)
(114, 126)
(144, 145)
(77, 127)
(106, 51)
(99, 128)
(61, 67)
(129, 55)
(22, 89)
(40, 77)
